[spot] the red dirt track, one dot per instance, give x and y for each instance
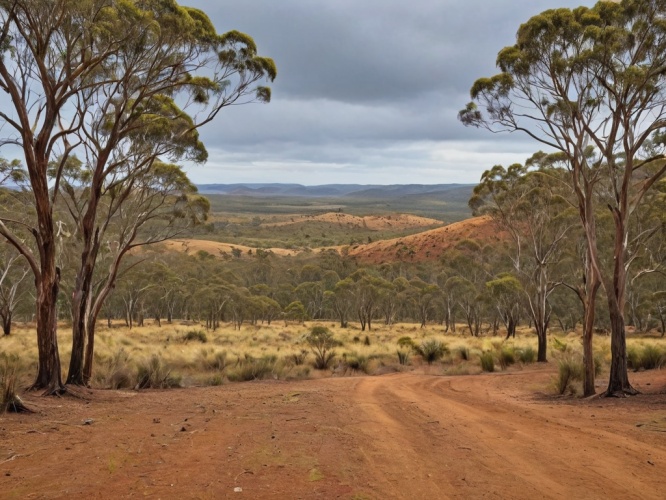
(405, 435)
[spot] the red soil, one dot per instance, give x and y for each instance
(405, 435)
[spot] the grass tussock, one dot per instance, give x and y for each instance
(645, 357)
(487, 361)
(431, 350)
(123, 357)
(10, 370)
(570, 372)
(155, 374)
(115, 371)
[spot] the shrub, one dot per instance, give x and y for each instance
(115, 372)
(403, 357)
(321, 342)
(358, 362)
(463, 353)
(367, 340)
(651, 357)
(570, 370)
(10, 367)
(196, 335)
(299, 358)
(431, 350)
(507, 357)
(253, 369)
(154, 374)
(633, 357)
(527, 355)
(487, 362)
(559, 345)
(406, 342)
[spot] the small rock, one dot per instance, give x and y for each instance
(88, 421)
(238, 489)
(183, 429)
(156, 420)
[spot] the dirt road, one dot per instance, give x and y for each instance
(404, 435)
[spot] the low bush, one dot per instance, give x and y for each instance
(526, 355)
(321, 342)
(10, 368)
(463, 353)
(154, 374)
(299, 358)
(253, 369)
(507, 357)
(569, 370)
(406, 342)
(115, 372)
(487, 362)
(195, 335)
(652, 357)
(357, 363)
(403, 357)
(431, 350)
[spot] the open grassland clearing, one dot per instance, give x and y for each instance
(187, 354)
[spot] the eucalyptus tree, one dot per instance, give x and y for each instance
(341, 300)
(121, 85)
(13, 272)
(507, 293)
(527, 203)
(589, 83)
(423, 296)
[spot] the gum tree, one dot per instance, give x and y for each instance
(589, 84)
(120, 84)
(525, 202)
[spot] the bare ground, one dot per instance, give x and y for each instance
(405, 435)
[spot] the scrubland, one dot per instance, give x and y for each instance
(185, 354)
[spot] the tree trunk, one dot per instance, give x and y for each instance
(542, 339)
(589, 301)
(48, 377)
(7, 323)
(618, 383)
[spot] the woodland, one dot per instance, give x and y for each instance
(105, 100)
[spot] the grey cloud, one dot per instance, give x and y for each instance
(361, 82)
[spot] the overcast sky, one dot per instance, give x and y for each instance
(367, 91)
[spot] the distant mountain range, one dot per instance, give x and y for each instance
(332, 190)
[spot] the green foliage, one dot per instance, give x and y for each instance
(253, 369)
(506, 357)
(321, 342)
(406, 342)
(526, 355)
(570, 369)
(560, 345)
(299, 358)
(403, 357)
(195, 335)
(357, 362)
(487, 362)
(431, 350)
(647, 357)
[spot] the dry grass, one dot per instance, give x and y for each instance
(277, 352)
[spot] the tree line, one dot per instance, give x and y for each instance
(105, 98)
